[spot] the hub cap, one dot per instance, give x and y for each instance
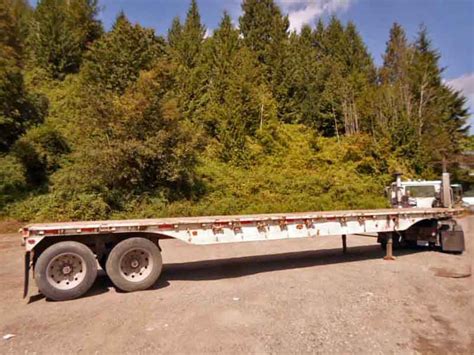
(136, 265)
(66, 271)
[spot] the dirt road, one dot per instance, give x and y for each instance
(274, 297)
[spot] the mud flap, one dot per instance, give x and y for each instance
(453, 240)
(27, 274)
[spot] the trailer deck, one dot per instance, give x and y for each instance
(253, 227)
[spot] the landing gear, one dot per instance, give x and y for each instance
(398, 241)
(389, 246)
(389, 242)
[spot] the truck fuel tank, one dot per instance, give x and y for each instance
(452, 240)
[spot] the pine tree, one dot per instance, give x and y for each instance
(425, 77)
(420, 118)
(14, 28)
(263, 27)
(115, 60)
(248, 106)
(393, 101)
(319, 35)
(265, 32)
(333, 40)
(397, 57)
(22, 12)
(61, 31)
(440, 114)
(304, 71)
(238, 101)
(174, 33)
(186, 51)
(225, 43)
(193, 35)
(361, 75)
(219, 59)
(333, 44)
(186, 41)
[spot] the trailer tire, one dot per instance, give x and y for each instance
(65, 271)
(134, 264)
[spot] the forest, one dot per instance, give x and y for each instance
(250, 118)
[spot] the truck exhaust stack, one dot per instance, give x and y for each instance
(446, 195)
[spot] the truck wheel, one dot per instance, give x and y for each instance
(134, 264)
(65, 271)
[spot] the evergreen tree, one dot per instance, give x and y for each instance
(332, 45)
(265, 32)
(219, 60)
(263, 27)
(306, 84)
(248, 106)
(186, 51)
(425, 78)
(186, 40)
(440, 115)
(360, 77)
(238, 101)
(225, 43)
(347, 72)
(115, 60)
(61, 31)
(22, 12)
(174, 33)
(419, 117)
(397, 57)
(13, 28)
(393, 102)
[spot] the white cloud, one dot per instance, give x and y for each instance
(465, 84)
(208, 33)
(302, 12)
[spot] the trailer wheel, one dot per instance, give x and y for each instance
(134, 264)
(65, 271)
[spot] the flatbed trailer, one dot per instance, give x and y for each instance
(64, 256)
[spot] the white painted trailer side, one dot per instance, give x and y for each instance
(246, 228)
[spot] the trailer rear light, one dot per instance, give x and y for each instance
(166, 226)
(247, 222)
(87, 230)
(51, 231)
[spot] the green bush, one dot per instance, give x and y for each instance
(12, 179)
(302, 172)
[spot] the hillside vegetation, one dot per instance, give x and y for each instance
(253, 118)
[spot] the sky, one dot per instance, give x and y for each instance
(450, 24)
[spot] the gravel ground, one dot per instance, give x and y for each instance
(272, 297)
